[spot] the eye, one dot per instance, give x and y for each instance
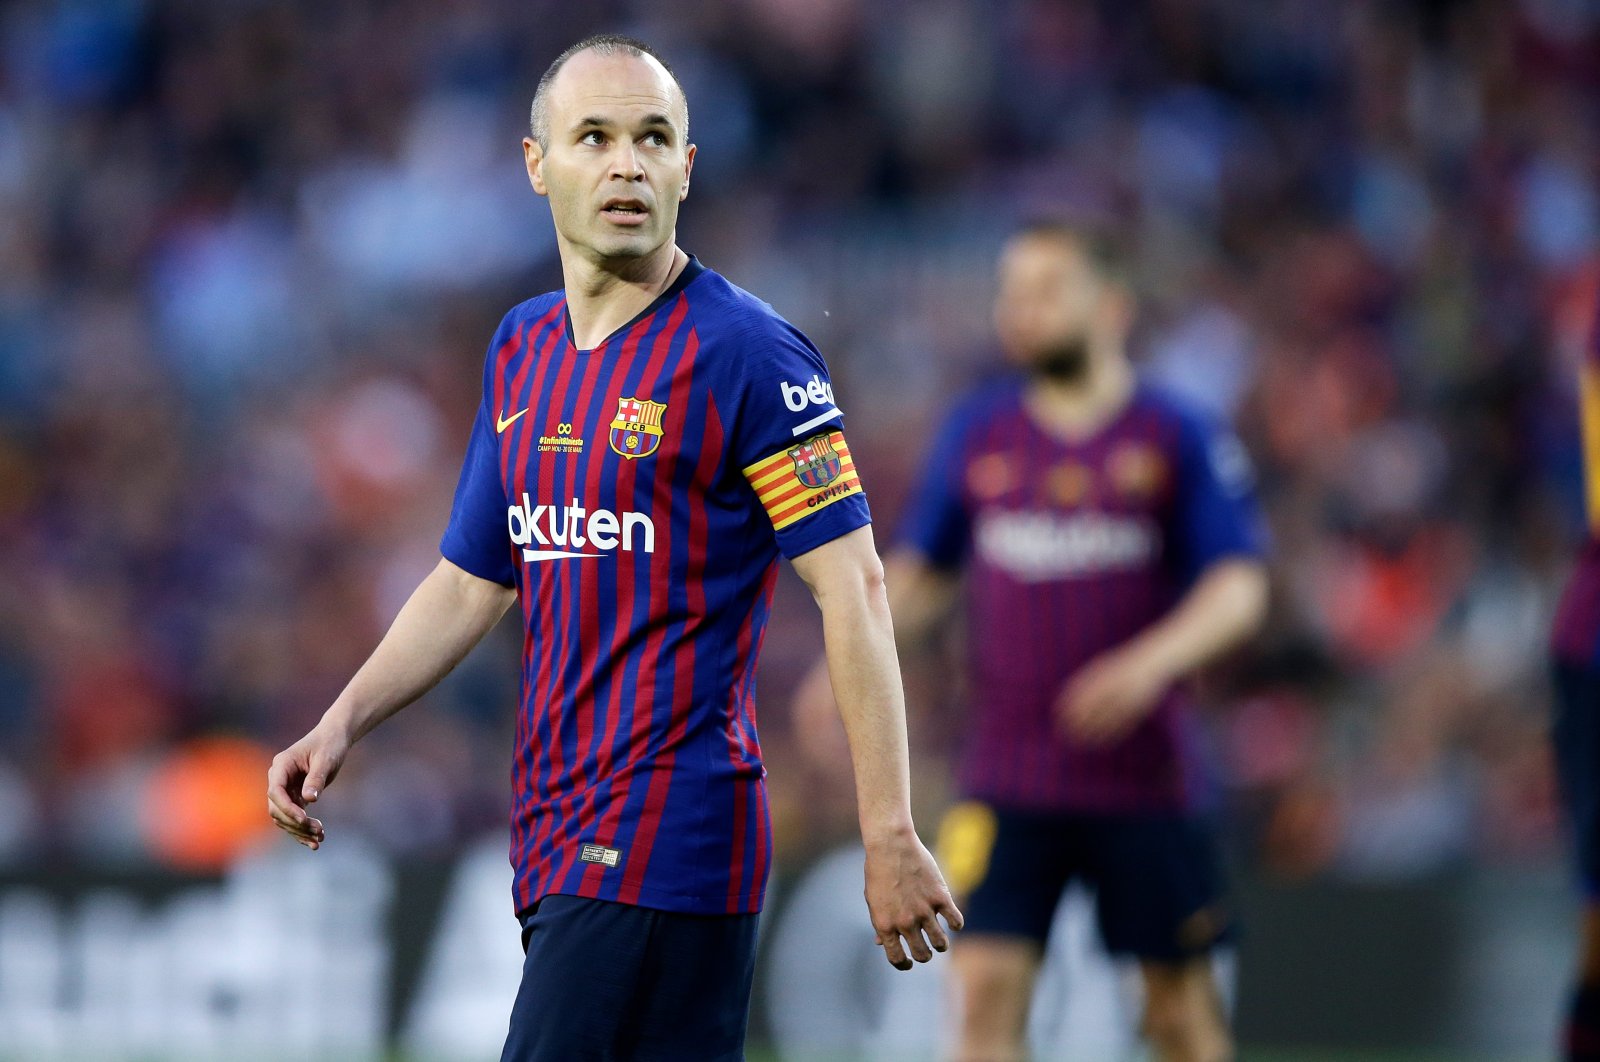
(593, 137)
(656, 139)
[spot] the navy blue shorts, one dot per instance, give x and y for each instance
(1577, 740)
(1157, 880)
(610, 982)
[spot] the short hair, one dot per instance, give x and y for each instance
(1100, 247)
(605, 44)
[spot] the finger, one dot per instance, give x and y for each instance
(298, 835)
(304, 827)
(918, 944)
(281, 780)
(936, 934)
(894, 952)
(279, 800)
(292, 817)
(952, 914)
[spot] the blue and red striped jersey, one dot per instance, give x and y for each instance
(638, 495)
(1576, 635)
(1071, 549)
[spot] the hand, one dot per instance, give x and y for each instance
(905, 895)
(297, 777)
(1109, 696)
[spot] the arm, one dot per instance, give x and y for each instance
(449, 612)
(921, 598)
(1113, 692)
(904, 888)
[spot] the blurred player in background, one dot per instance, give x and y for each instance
(1577, 721)
(650, 440)
(1111, 547)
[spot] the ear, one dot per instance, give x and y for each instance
(533, 156)
(688, 168)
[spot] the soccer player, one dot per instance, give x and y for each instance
(1111, 547)
(650, 439)
(1577, 722)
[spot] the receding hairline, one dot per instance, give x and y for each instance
(606, 46)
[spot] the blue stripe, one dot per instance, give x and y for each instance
(522, 757)
(594, 420)
(598, 419)
(677, 592)
(536, 755)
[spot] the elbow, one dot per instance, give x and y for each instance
(873, 580)
(850, 587)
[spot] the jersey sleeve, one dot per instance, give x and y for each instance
(476, 540)
(1216, 515)
(787, 440)
(937, 523)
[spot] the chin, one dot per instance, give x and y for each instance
(626, 245)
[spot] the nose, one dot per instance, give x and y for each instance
(625, 162)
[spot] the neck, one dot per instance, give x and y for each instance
(1081, 407)
(605, 294)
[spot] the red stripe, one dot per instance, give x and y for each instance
(532, 600)
(741, 797)
(758, 883)
(628, 472)
(549, 631)
(683, 665)
(589, 646)
(520, 338)
(502, 357)
(644, 694)
(538, 358)
(563, 634)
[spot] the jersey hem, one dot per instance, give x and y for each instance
(660, 900)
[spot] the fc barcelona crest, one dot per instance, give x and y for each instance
(636, 431)
(816, 462)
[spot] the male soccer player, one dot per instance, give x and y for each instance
(650, 439)
(1577, 722)
(1111, 547)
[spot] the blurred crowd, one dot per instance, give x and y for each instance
(251, 252)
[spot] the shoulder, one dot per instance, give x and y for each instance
(1179, 418)
(727, 315)
(512, 324)
(1199, 438)
(983, 404)
(531, 309)
(747, 347)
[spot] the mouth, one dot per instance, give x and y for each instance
(625, 211)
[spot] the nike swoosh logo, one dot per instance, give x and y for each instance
(502, 423)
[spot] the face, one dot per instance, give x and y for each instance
(1051, 304)
(617, 163)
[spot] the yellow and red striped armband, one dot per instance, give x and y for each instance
(807, 477)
